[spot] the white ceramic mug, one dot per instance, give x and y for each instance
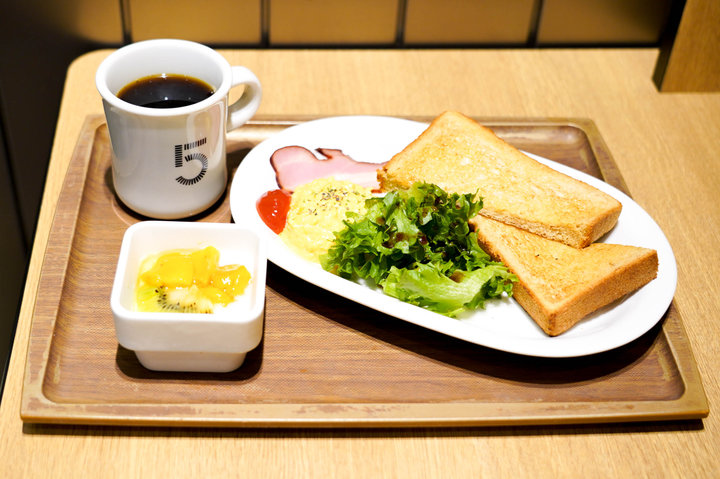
(170, 162)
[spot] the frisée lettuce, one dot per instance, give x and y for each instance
(416, 244)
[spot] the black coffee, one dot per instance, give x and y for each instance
(165, 91)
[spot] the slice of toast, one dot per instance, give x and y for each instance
(558, 285)
(462, 156)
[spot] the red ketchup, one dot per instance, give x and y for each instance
(273, 208)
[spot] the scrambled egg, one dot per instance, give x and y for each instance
(317, 210)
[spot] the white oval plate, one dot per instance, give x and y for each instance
(503, 324)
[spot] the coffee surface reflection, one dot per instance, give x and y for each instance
(165, 91)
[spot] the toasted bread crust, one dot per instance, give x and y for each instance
(460, 155)
(559, 285)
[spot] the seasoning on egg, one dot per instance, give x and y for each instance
(317, 210)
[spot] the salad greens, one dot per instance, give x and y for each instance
(417, 245)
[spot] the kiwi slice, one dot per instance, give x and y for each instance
(153, 299)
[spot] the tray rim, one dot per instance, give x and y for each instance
(36, 407)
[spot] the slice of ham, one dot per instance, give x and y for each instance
(296, 165)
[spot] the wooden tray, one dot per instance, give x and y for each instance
(324, 360)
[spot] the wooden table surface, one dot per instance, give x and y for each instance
(667, 147)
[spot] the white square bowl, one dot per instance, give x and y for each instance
(194, 342)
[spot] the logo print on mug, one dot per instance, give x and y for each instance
(188, 158)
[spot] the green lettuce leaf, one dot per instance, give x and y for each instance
(417, 245)
(426, 286)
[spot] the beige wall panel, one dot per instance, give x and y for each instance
(333, 22)
(228, 22)
(602, 21)
(692, 62)
(94, 20)
(468, 21)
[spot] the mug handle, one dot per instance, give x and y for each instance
(244, 107)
